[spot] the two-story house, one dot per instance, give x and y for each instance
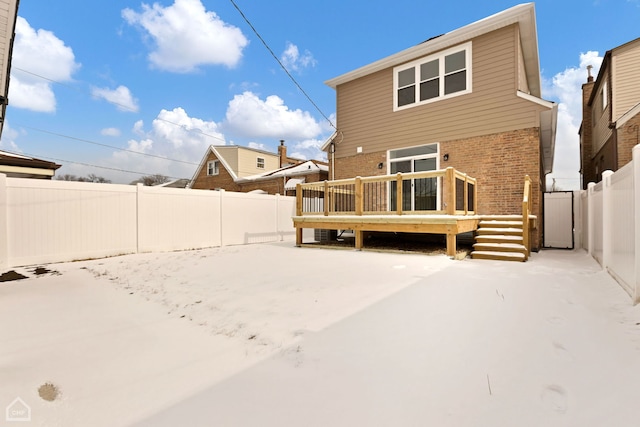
(244, 169)
(610, 113)
(469, 99)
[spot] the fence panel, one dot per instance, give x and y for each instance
(597, 244)
(55, 221)
(622, 225)
(251, 218)
(177, 219)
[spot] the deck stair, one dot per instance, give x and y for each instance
(499, 237)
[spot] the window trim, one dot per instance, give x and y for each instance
(466, 47)
(260, 165)
(216, 167)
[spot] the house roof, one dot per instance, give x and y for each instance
(305, 168)
(26, 167)
(523, 15)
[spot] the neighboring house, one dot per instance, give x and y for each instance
(469, 99)
(610, 113)
(8, 15)
(243, 169)
(18, 166)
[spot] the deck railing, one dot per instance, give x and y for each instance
(526, 211)
(444, 192)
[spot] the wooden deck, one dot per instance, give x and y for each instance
(448, 200)
(450, 225)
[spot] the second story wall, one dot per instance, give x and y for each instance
(367, 119)
(626, 69)
(601, 113)
(248, 163)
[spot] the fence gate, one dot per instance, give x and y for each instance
(558, 220)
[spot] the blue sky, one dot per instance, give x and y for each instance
(170, 78)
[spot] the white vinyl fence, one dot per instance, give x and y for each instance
(44, 221)
(610, 218)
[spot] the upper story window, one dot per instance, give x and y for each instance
(605, 96)
(432, 78)
(213, 167)
(260, 162)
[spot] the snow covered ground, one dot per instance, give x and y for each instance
(271, 334)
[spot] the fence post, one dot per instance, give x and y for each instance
(4, 226)
(607, 218)
(590, 218)
(139, 189)
(636, 215)
(222, 219)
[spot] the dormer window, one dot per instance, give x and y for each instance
(432, 78)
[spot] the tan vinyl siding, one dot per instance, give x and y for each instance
(6, 33)
(626, 85)
(601, 130)
(523, 84)
(247, 161)
(230, 156)
(366, 116)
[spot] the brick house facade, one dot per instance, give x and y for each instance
(489, 123)
(610, 113)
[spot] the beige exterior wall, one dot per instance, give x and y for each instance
(7, 23)
(247, 161)
(600, 119)
(626, 90)
(523, 84)
(230, 155)
(365, 106)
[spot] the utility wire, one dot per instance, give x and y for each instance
(282, 65)
(85, 164)
(109, 146)
(122, 106)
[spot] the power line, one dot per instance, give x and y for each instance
(85, 164)
(282, 65)
(109, 146)
(122, 106)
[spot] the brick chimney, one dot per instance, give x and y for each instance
(587, 169)
(282, 152)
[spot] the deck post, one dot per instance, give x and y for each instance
(327, 198)
(451, 245)
(359, 238)
(298, 199)
(299, 236)
(450, 178)
(399, 192)
(359, 198)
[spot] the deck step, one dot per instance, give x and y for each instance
(510, 231)
(498, 256)
(499, 239)
(500, 224)
(499, 247)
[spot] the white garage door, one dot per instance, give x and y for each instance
(558, 220)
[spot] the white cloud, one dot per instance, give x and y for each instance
(120, 97)
(566, 88)
(8, 140)
(293, 61)
(34, 51)
(308, 149)
(258, 146)
(186, 36)
(250, 116)
(173, 135)
(110, 132)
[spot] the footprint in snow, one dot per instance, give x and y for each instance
(555, 398)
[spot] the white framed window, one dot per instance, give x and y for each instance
(433, 78)
(418, 194)
(260, 162)
(213, 167)
(605, 96)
